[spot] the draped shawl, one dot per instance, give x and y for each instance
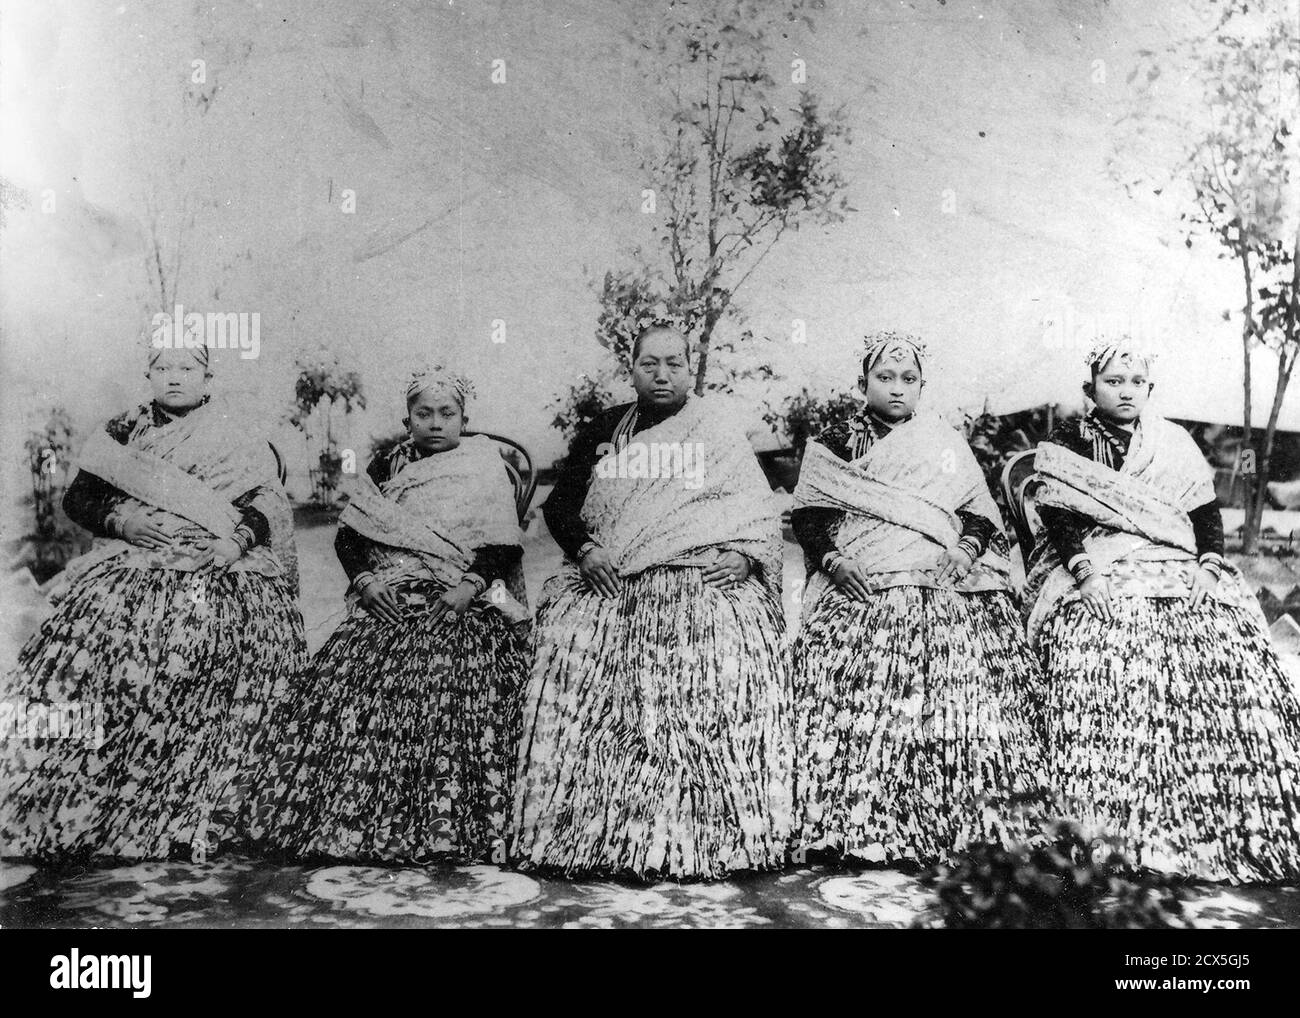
(185, 474)
(900, 501)
(427, 520)
(1141, 535)
(681, 491)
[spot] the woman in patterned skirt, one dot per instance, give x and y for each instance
(917, 700)
(656, 720)
(401, 746)
(1172, 726)
(174, 632)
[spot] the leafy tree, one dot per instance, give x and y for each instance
(580, 405)
(1237, 163)
(732, 175)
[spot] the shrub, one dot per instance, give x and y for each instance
(805, 415)
(1053, 886)
(53, 539)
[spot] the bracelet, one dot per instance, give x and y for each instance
(1213, 562)
(1081, 568)
(244, 537)
(587, 548)
(836, 559)
(116, 519)
(362, 580)
(970, 546)
(477, 582)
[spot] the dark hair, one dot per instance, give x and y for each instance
(654, 327)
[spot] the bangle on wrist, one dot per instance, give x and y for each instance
(116, 520)
(362, 580)
(587, 548)
(244, 537)
(477, 582)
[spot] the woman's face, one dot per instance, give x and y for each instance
(661, 374)
(435, 420)
(1121, 390)
(179, 380)
(893, 387)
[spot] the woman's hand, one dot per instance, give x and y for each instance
(599, 572)
(1094, 592)
(144, 532)
(221, 554)
(378, 599)
(954, 566)
(850, 578)
(730, 569)
(1205, 583)
(455, 599)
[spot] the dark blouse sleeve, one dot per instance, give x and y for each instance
(815, 527)
(562, 509)
(978, 529)
(1207, 525)
(1065, 528)
(352, 551)
(89, 499)
(351, 548)
(253, 518)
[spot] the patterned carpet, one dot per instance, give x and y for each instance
(237, 893)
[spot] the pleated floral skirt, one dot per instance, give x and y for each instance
(656, 742)
(400, 745)
(168, 677)
(919, 726)
(1176, 731)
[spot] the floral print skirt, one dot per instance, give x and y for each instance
(1176, 731)
(918, 722)
(657, 741)
(400, 745)
(166, 677)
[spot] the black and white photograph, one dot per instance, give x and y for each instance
(673, 464)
